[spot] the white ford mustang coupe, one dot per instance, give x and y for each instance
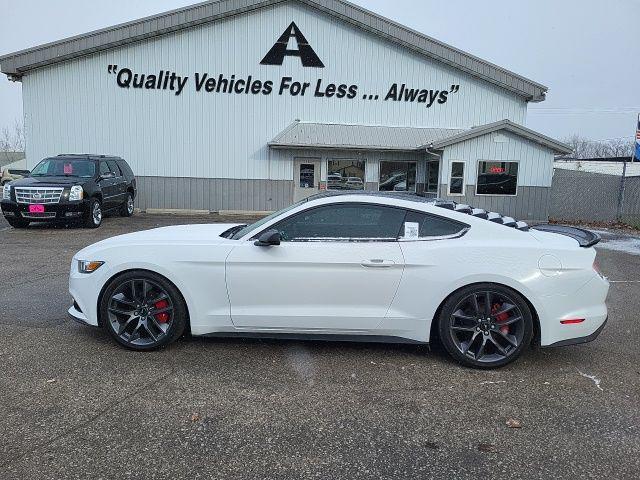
(352, 266)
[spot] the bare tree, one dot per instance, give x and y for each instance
(585, 148)
(12, 139)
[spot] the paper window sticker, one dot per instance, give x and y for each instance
(68, 169)
(411, 229)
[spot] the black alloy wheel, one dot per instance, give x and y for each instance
(486, 325)
(143, 311)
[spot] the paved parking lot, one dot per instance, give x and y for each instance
(74, 405)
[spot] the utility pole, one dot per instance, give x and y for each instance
(636, 146)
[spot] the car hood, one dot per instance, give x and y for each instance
(48, 181)
(173, 235)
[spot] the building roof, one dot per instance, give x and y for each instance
(503, 125)
(569, 158)
(407, 139)
(357, 137)
(18, 63)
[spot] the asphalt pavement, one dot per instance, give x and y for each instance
(74, 405)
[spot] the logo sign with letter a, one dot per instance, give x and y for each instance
(277, 53)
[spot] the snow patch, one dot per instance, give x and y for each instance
(628, 245)
(593, 378)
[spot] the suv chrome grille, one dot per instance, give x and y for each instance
(38, 195)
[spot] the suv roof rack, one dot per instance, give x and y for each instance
(88, 155)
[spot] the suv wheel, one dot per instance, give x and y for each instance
(93, 217)
(17, 222)
(126, 209)
(485, 325)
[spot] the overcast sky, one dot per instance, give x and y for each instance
(586, 51)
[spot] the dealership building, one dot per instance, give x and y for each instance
(249, 105)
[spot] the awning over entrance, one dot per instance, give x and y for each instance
(359, 137)
(401, 139)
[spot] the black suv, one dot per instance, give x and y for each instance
(70, 188)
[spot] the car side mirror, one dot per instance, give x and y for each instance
(106, 176)
(269, 238)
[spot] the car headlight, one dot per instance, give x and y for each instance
(6, 192)
(76, 193)
(89, 266)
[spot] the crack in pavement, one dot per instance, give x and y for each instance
(110, 406)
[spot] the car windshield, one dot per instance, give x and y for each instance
(64, 167)
(254, 226)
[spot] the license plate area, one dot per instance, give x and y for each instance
(36, 208)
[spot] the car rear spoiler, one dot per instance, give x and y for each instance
(584, 237)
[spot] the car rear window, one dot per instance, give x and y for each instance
(429, 226)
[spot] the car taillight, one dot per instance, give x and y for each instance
(572, 321)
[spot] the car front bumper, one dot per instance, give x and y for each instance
(54, 212)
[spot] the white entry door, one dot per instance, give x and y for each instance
(306, 178)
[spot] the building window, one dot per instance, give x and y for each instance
(433, 176)
(397, 177)
(307, 175)
(345, 175)
(456, 182)
(497, 178)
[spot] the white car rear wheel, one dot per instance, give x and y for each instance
(485, 325)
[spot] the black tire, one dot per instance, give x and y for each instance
(484, 340)
(153, 332)
(91, 219)
(126, 209)
(17, 222)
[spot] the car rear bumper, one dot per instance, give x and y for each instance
(580, 340)
(575, 318)
(55, 212)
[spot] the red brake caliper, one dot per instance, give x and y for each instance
(502, 317)
(164, 316)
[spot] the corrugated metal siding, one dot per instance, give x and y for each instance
(196, 14)
(530, 203)
(77, 107)
(213, 194)
(535, 167)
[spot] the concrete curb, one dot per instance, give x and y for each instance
(175, 211)
(228, 213)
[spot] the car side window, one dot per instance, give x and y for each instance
(113, 166)
(125, 168)
(104, 168)
(422, 225)
(353, 222)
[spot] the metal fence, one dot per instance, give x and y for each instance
(579, 196)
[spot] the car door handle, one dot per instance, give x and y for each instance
(377, 263)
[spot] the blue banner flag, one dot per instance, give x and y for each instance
(637, 155)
